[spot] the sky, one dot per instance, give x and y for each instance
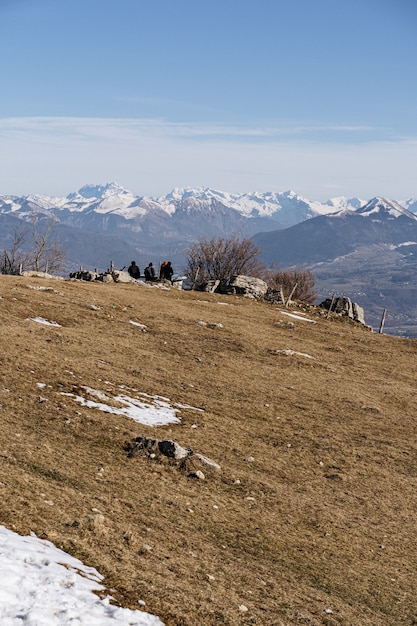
(237, 95)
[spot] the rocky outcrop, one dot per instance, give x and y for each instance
(190, 462)
(345, 307)
(248, 286)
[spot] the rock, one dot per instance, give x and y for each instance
(119, 276)
(173, 450)
(84, 275)
(248, 286)
(274, 296)
(190, 462)
(345, 307)
(205, 461)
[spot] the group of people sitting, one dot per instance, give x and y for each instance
(165, 271)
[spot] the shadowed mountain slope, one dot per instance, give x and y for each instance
(369, 254)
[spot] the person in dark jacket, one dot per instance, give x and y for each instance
(150, 273)
(166, 271)
(134, 270)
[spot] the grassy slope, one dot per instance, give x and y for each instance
(324, 518)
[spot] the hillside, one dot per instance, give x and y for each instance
(311, 519)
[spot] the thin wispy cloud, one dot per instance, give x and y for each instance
(151, 156)
(132, 128)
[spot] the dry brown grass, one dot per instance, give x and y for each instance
(322, 520)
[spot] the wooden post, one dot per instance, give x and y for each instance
(111, 267)
(381, 326)
(291, 294)
(196, 276)
(282, 295)
(331, 306)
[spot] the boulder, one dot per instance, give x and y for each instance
(345, 307)
(119, 276)
(188, 461)
(248, 286)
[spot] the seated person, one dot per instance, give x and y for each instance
(134, 270)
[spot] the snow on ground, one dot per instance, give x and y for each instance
(143, 327)
(41, 320)
(143, 408)
(288, 352)
(43, 586)
(298, 317)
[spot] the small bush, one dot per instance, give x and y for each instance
(287, 279)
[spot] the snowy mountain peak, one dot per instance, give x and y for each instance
(91, 192)
(382, 207)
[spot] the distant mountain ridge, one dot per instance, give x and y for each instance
(287, 208)
(369, 254)
(159, 227)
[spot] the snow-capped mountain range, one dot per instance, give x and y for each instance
(287, 208)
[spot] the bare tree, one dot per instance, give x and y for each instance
(302, 279)
(219, 258)
(14, 260)
(47, 255)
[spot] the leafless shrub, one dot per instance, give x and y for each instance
(303, 280)
(219, 258)
(15, 259)
(45, 255)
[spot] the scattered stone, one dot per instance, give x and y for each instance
(369, 407)
(198, 474)
(250, 459)
(243, 608)
(210, 324)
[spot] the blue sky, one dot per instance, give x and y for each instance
(239, 95)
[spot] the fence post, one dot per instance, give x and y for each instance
(291, 295)
(381, 326)
(331, 306)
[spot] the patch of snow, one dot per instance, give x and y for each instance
(143, 408)
(141, 326)
(44, 586)
(298, 317)
(288, 352)
(400, 245)
(41, 320)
